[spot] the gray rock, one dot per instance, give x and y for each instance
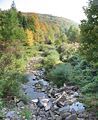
(43, 82)
(71, 117)
(76, 94)
(31, 77)
(20, 104)
(48, 106)
(64, 109)
(73, 111)
(78, 107)
(55, 107)
(45, 102)
(52, 115)
(80, 119)
(34, 100)
(66, 114)
(39, 118)
(11, 114)
(83, 115)
(58, 118)
(33, 94)
(7, 118)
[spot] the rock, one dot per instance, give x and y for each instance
(34, 100)
(55, 107)
(78, 107)
(73, 111)
(45, 102)
(64, 109)
(58, 118)
(11, 115)
(43, 82)
(71, 100)
(52, 114)
(38, 86)
(20, 104)
(83, 115)
(32, 94)
(64, 115)
(39, 118)
(60, 103)
(48, 106)
(31, 77)
(71, 117)
(7, 118)
(34, 117)
(76, 94)
(80, 119)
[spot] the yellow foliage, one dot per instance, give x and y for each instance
(30, 37)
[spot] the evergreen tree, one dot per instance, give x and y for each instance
(89, 33)
(13, 6)
(73, 34)
(10, 29)
(22, 20)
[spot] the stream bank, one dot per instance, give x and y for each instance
(46, 101)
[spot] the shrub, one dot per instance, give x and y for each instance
(75, 71)
(26, 113)
(67, 50)
(12, 66)
(10, 75)
(51, 59)
(61, 73)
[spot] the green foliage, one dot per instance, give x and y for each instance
(26, 113)
(61, 73)
(9, 23)
(73, 34)
(22, 20)
(75, 71)
(66, 50)
(12, 65)
(89, 33)
(62, 39)
(51, 59)
(8, 77)
(91, 87)
(30, 23)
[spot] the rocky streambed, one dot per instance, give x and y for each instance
(47, 102)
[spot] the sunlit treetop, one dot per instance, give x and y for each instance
(13, 5)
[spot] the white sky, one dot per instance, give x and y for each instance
(71, 9)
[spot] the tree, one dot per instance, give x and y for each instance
(89, 33)
(30, 23)
(29, 37)
(13, 6)
(10, 29)
(22, 20)
(73, 34)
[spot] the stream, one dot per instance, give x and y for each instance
(47, 102)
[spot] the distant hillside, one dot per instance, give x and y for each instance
(50, 19)
(50, 28)
(57, 20)
(36, 27)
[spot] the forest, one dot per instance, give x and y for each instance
(68, 52)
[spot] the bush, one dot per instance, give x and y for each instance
(62, 73)
(12, 66)
(10, 75)
(51, 59)
(67, 50)
(75, 71)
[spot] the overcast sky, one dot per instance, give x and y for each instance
(71, 9)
